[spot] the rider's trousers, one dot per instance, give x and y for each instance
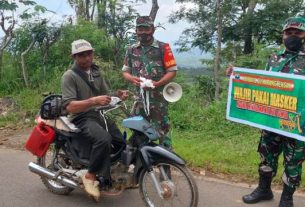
(93, 129)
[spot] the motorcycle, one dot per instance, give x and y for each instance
(137, 162)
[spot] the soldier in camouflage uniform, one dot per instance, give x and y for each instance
(154, 60)
(291, 60)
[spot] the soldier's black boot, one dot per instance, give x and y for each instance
(262, 192)
(287, 197)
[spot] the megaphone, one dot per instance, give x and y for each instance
(172, 92)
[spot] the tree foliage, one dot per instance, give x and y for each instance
(50, 52)
(266, 21)
(8, 23)
(39, 49)
(243, 21)
(113, 16)
(230, 29)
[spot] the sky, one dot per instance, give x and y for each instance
(170, 34)
(166, 7)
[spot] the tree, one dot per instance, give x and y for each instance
(248, 46)
(259, 21)
(268, 21)
(101, 15)
(51, 35)
(115, 17)
(218, 49)
(82, 8)
(35, 30)
(38, 33)
(208, 18)
(154, 9)
(236, 23)
(8, 23)
(244, 21)
(203, 23)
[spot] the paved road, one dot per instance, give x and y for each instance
(20, 188)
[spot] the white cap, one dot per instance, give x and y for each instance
(79, 46)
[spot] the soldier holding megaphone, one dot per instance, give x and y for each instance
(150, 65)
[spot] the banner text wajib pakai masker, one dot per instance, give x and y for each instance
(268, 100)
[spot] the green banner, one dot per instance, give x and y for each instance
(268, 100)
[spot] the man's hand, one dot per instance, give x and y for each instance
(101, 100)
(229, 70)
(123, 94)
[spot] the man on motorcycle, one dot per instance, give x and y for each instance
(152, 60)
(83, 89)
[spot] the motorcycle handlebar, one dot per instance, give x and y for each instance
(101, 108)
(118, 103)
(115, 101)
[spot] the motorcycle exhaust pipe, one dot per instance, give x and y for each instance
(51, 175)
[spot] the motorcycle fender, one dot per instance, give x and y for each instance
(150, 154)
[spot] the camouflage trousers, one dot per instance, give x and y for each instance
(271, 146)
(159, 118)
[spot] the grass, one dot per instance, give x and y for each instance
(234, 156)
(208, 141)
(28, 100)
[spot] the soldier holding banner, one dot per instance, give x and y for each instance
(291, 60)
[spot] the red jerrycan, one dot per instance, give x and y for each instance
(40, 139)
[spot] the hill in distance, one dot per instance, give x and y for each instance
(191, 59)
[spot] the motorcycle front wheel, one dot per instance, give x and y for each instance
(176, 182)
(48, 161)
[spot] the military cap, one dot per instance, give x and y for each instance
(144, 21)
(295, 22)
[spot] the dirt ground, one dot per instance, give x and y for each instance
(14, 138)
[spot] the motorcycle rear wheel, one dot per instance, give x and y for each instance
(53, 186)
(180, 187)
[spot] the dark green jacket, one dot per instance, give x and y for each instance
(74, 88)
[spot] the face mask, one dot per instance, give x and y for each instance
(145, 38)
(293, 43)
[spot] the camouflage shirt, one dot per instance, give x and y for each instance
(271, 144)
(150, 62)
(287, 62)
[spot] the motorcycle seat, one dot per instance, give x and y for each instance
(62, 123)
(69, 125)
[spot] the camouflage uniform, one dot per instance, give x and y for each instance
(272, 145)
(152, 62)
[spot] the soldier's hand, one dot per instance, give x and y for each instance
(135, 81)
(102, 100)
(229, 70)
